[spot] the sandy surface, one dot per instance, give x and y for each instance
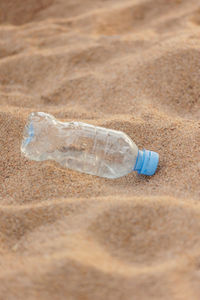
(128, 65)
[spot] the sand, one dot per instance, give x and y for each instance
(127, 65)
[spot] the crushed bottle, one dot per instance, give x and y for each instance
(85, 148)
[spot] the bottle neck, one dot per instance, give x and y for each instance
(139, 161)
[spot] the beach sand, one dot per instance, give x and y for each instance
(128, 65)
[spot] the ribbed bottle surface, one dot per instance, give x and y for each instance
(79, 146)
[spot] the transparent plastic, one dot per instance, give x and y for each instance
(86, 148)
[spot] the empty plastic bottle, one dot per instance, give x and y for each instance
(85, 148)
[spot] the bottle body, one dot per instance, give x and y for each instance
(79, 146)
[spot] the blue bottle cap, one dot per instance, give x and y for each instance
(147, 162)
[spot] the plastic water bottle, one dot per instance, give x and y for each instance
(85, 148)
